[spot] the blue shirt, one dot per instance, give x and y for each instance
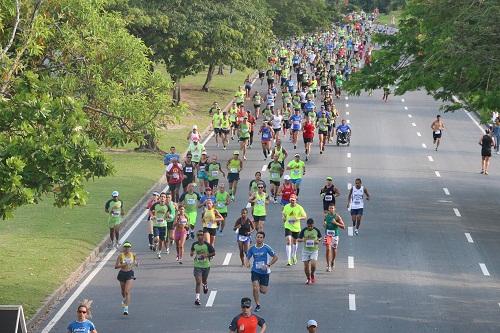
(81, 327)
(296, 121)
(343, 128)
(169, 156)
(260, 258)
(206, 197)
(291, 85)
(309, 105)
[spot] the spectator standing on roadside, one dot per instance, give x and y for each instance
(486, 143)
(496, 134)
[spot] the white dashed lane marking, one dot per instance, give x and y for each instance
(437, 173)
(352, 302)
(409, 115)
(469, 238)
(350, 262)
(349, 231)
(227, 259)
(264, 167)
(413, 124)
(211, 298)
(484, 269)
(446, 191)
(348, 155)
(424, 145)
(406, 108)
(429, 157)
(457, 212)
(349, 170)
(419, 134)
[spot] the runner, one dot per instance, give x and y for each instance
(211, 218)
(332, 222)
(246, 322)
(202, 168)
(281, 152)
(149, 226)
(181, 229)
(126, 261)
(188, 171)
(243, 228)
(170, 155)
(293, 214)
(160, 212)
(261, 267)
(297, 171)
(225, 125)
(276, 121)
(275, 173)
(233, 112)
(202, 253)
(248, 86)
(296, 121)
(252, 187)
(311, 237)
(196, 149)
(328, 193)
(251, 120)
(286, 119)
(257, 101)
(175, 176)
(323, 122)
(234, 167)
(308, 135)
(114, 208)
(214, 170)
(222, 200)
(437, 127)
(239, 96)
(267, 134)
(486, 142)
(356, 203)
(244, 135)
(170, 220)
(286, 190)
(194, 134)
(217, 126)
(190, 200)
(259, 201)
(311, 326)
(387, 92)
(82, 324)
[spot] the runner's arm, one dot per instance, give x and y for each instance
(366, 192)
(336, 191)
(349, 197)
(339, 221)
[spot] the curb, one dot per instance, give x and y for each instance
(97, 253)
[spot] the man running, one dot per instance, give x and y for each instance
(281, 152)
(234, 166)
(175, 176)
(437, 127)
(190, 200)
(286, 190)
(222, 200)
(297, 170)
(308, 136)
(260, 201)
(293, 214)
(275, 173)
(311, 237)
(246, 322)
(114, 208)
(328, 193)
(149, 227)
(332, 223)
(356, 203)
(202, 252)
(296, 122)
(261, 267)
(188, 171)
(160, 213)
(214, 171)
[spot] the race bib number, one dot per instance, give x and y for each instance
(296, 172)
(261, 265)
(221, 204)
(242, 238)
(196, 155)
(309, 242)
(128, 261)
(183, 221)
(296, 122)
(234, 170)
(437, 132)
(265, 135)
(191, 201)
(189, 169)
(259, 202)
(200, 257)
(292, 220)
(275, 175)
(215, 173)
(330, 232)
(113, 213)
(328, 197)
(159, 220)
(357, 202)
(175, 175)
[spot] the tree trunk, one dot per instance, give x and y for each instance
(221, 70)
(150, 143)
(176, 91)
(210, 74)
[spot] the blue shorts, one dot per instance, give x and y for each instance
(232, 177)
(296, 181)
(358, 211)
(202, 175)
(262, 278)
(284, 202)
(160, 232)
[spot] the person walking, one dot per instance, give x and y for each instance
(486, 142)
(496, 135)
(82, 324)
(126, 261)
(246, 322)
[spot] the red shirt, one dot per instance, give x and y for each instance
(287, 191)
(242, 324)
(174, 173)
(308, 130)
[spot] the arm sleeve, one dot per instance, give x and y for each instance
(192, 247)
(260, 321)
(301, 235)
(234, 323)
(106, 206)
(183, 195)
(319, 232)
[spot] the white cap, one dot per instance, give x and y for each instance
(287, 177)
(312, 322)
(195, 127)
(115, 194)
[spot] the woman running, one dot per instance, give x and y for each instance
(202, 172)
(257, 101)
(125, 262)
(180, 231)
(82, 324)
(267, 134)
(332, 223)
(210, 221)
(244, 228)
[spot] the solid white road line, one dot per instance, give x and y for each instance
(424, 145)
(227, 259)
(348, 155)
(446, 191)
(264, 167)
(211, 298)
(474, 121)
(429, 157)
(352, 302)
(350, 262)
(484, 269)
(349, 186)
(419, 134)
(469, 238)
(349, 170)
(349, 231)
(413, 124)
(437, 173)
(457, 212)
(409, 115)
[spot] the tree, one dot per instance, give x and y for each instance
(68, 87)
(296, 17)
(449, 48)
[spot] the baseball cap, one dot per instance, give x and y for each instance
(208, 189)
(127, 244)
(204, 153)
(287, 177)
(329, 178)
(297, 155)
(156, 193)
(293, 196)
(115, 194)
(195, 126)
(236, 152)
(312, 322)
(246, 302)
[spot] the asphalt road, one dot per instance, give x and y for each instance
(415, 265)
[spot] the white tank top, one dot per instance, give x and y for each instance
(357, 197)
(194, 136)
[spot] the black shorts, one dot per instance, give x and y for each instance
(203, 272)
(270, 81)
(324, 88)
(224, 130)
(213, 183)
(170, 225)
(125, 276)
(486, 152)
(234, 124)
(322, 132)
(436, 136)
(210, 231)
(256, 106)
(259, 218)
(294, 234)
(263, 279)
(224, 215)
(307, 140)
(173, 187)
(217, 130)
(276, 130)
(286, 124)
(275, 183)
(326, 204)
(232, 177)
(186, 182)
(160, 232)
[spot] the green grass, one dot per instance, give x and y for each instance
(387, 18)
(42, 244)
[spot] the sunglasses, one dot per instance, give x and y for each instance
(260, 186)
(80, 311)
(246, 306)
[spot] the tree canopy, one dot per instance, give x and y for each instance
(449, 48)
(69, 86)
